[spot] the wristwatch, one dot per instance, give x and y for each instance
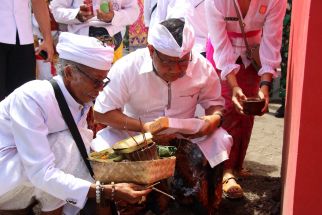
(221, 118)
(266, 83)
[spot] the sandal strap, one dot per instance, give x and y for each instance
(225, 181)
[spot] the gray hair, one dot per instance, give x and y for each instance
(62, 64)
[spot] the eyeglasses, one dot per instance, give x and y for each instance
(97, 83)
(180, 62)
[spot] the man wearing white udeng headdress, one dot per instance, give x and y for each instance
(38, 156)
(165, 79)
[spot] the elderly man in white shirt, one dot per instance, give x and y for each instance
(38, 156)
(166, 79)
(17, 54)
(89, 19)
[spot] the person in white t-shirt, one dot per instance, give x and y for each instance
(168, 79)
(17, 53)
(39, 158)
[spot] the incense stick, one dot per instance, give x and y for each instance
(128, 133)
(160, 191)
(142, 130)
(152, 185)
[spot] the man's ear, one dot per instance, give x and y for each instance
(68, 71)
(151, 50)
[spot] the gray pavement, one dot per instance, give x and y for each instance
(264, 154)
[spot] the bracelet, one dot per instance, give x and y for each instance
(98, 192)
(221, 118)
(266, 83)
(113, 191)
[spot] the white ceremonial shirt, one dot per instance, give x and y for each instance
(135, 88)
(194, 10)
(149, 11)
(27, 117)
(126, 13)
(265, 16)
(15, 15)
(199, 24)
(139, 92)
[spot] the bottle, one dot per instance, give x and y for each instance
(104, 6)
(89, 4)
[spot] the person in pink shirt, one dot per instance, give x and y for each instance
(262, 21)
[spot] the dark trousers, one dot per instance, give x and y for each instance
(17, 66)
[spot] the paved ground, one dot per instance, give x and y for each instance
(263, 159)
(264, 154)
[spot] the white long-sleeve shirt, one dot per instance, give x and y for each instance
(27, 116)
(135, 88)
(149, 12)
(139, 92)
(126, 13)
(15, 15)
(265, 16)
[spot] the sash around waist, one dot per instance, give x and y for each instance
(232, 34)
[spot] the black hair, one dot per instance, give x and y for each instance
(175, 27)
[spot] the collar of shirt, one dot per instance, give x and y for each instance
(72, 103)
(147, 64)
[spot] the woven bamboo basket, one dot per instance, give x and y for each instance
(140, 172)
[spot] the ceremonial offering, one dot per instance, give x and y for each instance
(134, 159)
(104, 6)
(134, 143)
(140, 172)
(253, 106)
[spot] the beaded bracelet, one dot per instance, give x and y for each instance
(113, 191)
(98, 192)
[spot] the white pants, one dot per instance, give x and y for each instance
(67, 158)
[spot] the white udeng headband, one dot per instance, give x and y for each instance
(163, 41)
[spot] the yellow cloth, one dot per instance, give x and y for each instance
(118, 53)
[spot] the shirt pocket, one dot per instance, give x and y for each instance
(258, 20)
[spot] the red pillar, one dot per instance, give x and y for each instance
(302, 153)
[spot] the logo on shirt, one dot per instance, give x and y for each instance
(71, 201)
(262, 9)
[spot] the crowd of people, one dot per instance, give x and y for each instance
(199, 54)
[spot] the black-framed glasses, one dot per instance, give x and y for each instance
(181, 62)
(97, 83)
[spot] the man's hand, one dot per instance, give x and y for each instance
(84, 13)
(237, 97)
(129, 192)
(106, 17)
(47, 46)
(211, 124)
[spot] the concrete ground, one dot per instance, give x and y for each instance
(262, 189)
(264, 154)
